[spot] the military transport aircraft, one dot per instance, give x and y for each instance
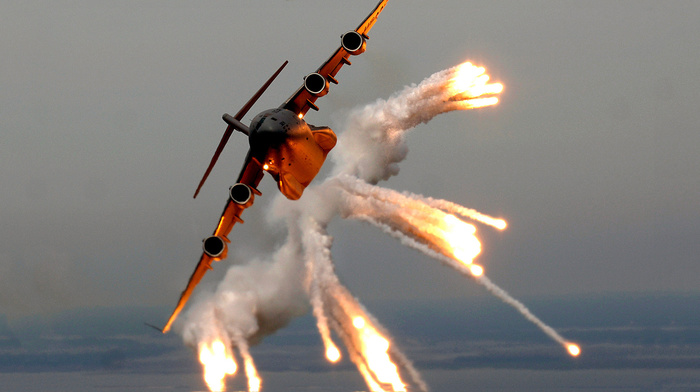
(281, 144)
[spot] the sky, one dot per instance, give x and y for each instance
(110, 112)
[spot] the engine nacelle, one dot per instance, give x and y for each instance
(316, 84)
(215, 247)
(241, 194)
(353, 42)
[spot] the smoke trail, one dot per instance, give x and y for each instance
(392, 225)
(362, 341)
(373, 141)
(406, 240)
(320, 275)
(386, 210)
(380, 362)
(505, 297)
(415, 201)
(412, 221)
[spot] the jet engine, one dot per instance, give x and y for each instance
(215, 247)
(316, 84)
(241, 194)
(353, 42)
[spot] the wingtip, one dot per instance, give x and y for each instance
(161, 330)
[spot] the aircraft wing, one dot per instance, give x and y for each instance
(250, 175)
(302, 100)
(197, 275)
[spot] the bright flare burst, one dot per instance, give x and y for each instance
(470, 83)
(573, 349)
(254, 380)
(332, 353)
(461, 238)
(375, 350)
(500, 224)
(476, 270)
(218, 362)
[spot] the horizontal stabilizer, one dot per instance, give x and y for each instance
(237, 125)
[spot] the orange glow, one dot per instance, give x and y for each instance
(301, 115)
(221, 225)
(254, 381)
(479, 102)
(476, 270)
(470, 83)
(573, 349)
(465, 77)
(358, 322)
(374, 349)
(266, 167)
(367, 375)
(500, 224)
(461, 239)
(218, 362)
(332, 353)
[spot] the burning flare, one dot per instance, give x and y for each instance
(218, 362)
(254, 380)
(460, 238)
(573, 349)
(332, 353)
(418, 222)
(470, 83)
(375, 348)
(476, 270)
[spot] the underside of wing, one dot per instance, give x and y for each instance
(318, 83)
(215, 247)
(367, 24)
(203, 266)
(252, 172)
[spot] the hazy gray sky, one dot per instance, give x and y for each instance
(110, 111)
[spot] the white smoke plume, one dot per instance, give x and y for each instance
(373, 141)
(334, 305)
(247, 302)
(505, 297)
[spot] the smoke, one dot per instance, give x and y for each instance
(373, 141)
(505, 297)
(359, 330)
(258, 298)
(253, 300)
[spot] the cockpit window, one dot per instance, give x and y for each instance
(262, 119)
